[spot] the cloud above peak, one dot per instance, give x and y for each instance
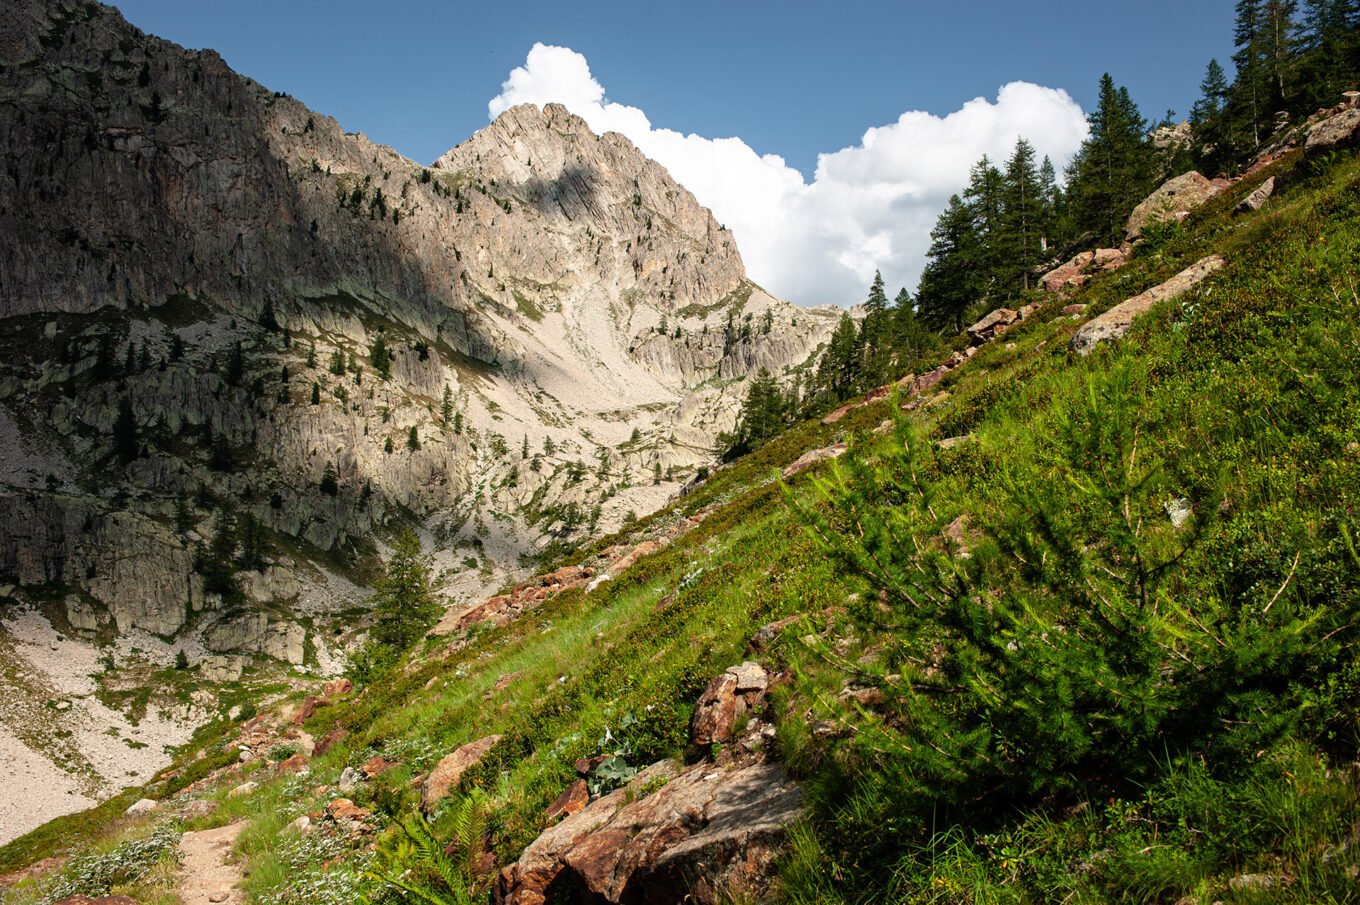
(869, 206)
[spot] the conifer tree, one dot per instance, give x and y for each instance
(413, 439)
(125, 444)
(946, 289)
(1022, 212)
(839, 367)
(1113, 168)
(380, 358)
(404, 605)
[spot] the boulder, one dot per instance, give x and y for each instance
(344, 809)
(218, 669)
(308, 708)
(349, 780)
(715, 712)
(1116, 322)
(1333, 133)
(142, 806)
(1075, 272)
(812, 457)
(297, 763)
(448, 771)
(1257, 199)
(992, 325)
(337, 687)
(707, 835)
(1173, 200)
(727, 698)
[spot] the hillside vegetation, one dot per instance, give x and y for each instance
(1101, 649)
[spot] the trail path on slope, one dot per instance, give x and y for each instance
(205, 877)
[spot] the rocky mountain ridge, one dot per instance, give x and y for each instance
(241, 345)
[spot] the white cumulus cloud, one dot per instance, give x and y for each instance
(870, 206)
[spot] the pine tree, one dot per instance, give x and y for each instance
(1113, 168)
(329, 483)
(125, 444)
(762, 417)
(316, 393)
(217, 563)
(380, 358)
(252, 556)
(236, 364)
(985, 195)
(946, 288)
(413, 439)
(404, 605)
(838, 370)
(1021, 250)
(446, 404)
(311, 355)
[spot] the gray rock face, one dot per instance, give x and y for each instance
(207, 258)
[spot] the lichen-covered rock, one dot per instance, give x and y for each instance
(1172, 200)
(1333, 133)
(1116, 322)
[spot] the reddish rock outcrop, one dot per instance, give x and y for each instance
(573, 800)
(728, 697)
(707, 835)
(992, 326)
(1075, 272)
(448, 771)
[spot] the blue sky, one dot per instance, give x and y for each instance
(794, 80)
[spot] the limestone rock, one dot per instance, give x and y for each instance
(219, 668)
(1257, 199)
(1117, 321)
(1172, 200)
(448, 771)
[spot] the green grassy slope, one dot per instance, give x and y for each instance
(1093, 705)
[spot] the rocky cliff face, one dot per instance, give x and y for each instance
(240, 346)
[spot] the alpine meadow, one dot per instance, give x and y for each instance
(483, 531)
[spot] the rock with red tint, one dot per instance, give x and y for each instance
(1116, 322)
(707, 835)
(812, 457)
(450, 770)
(307, 708)
(716, 711)
(324, 743)
(573, 799)
(337, 687)
(295, 764)
(376, 766)
(344, 809)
